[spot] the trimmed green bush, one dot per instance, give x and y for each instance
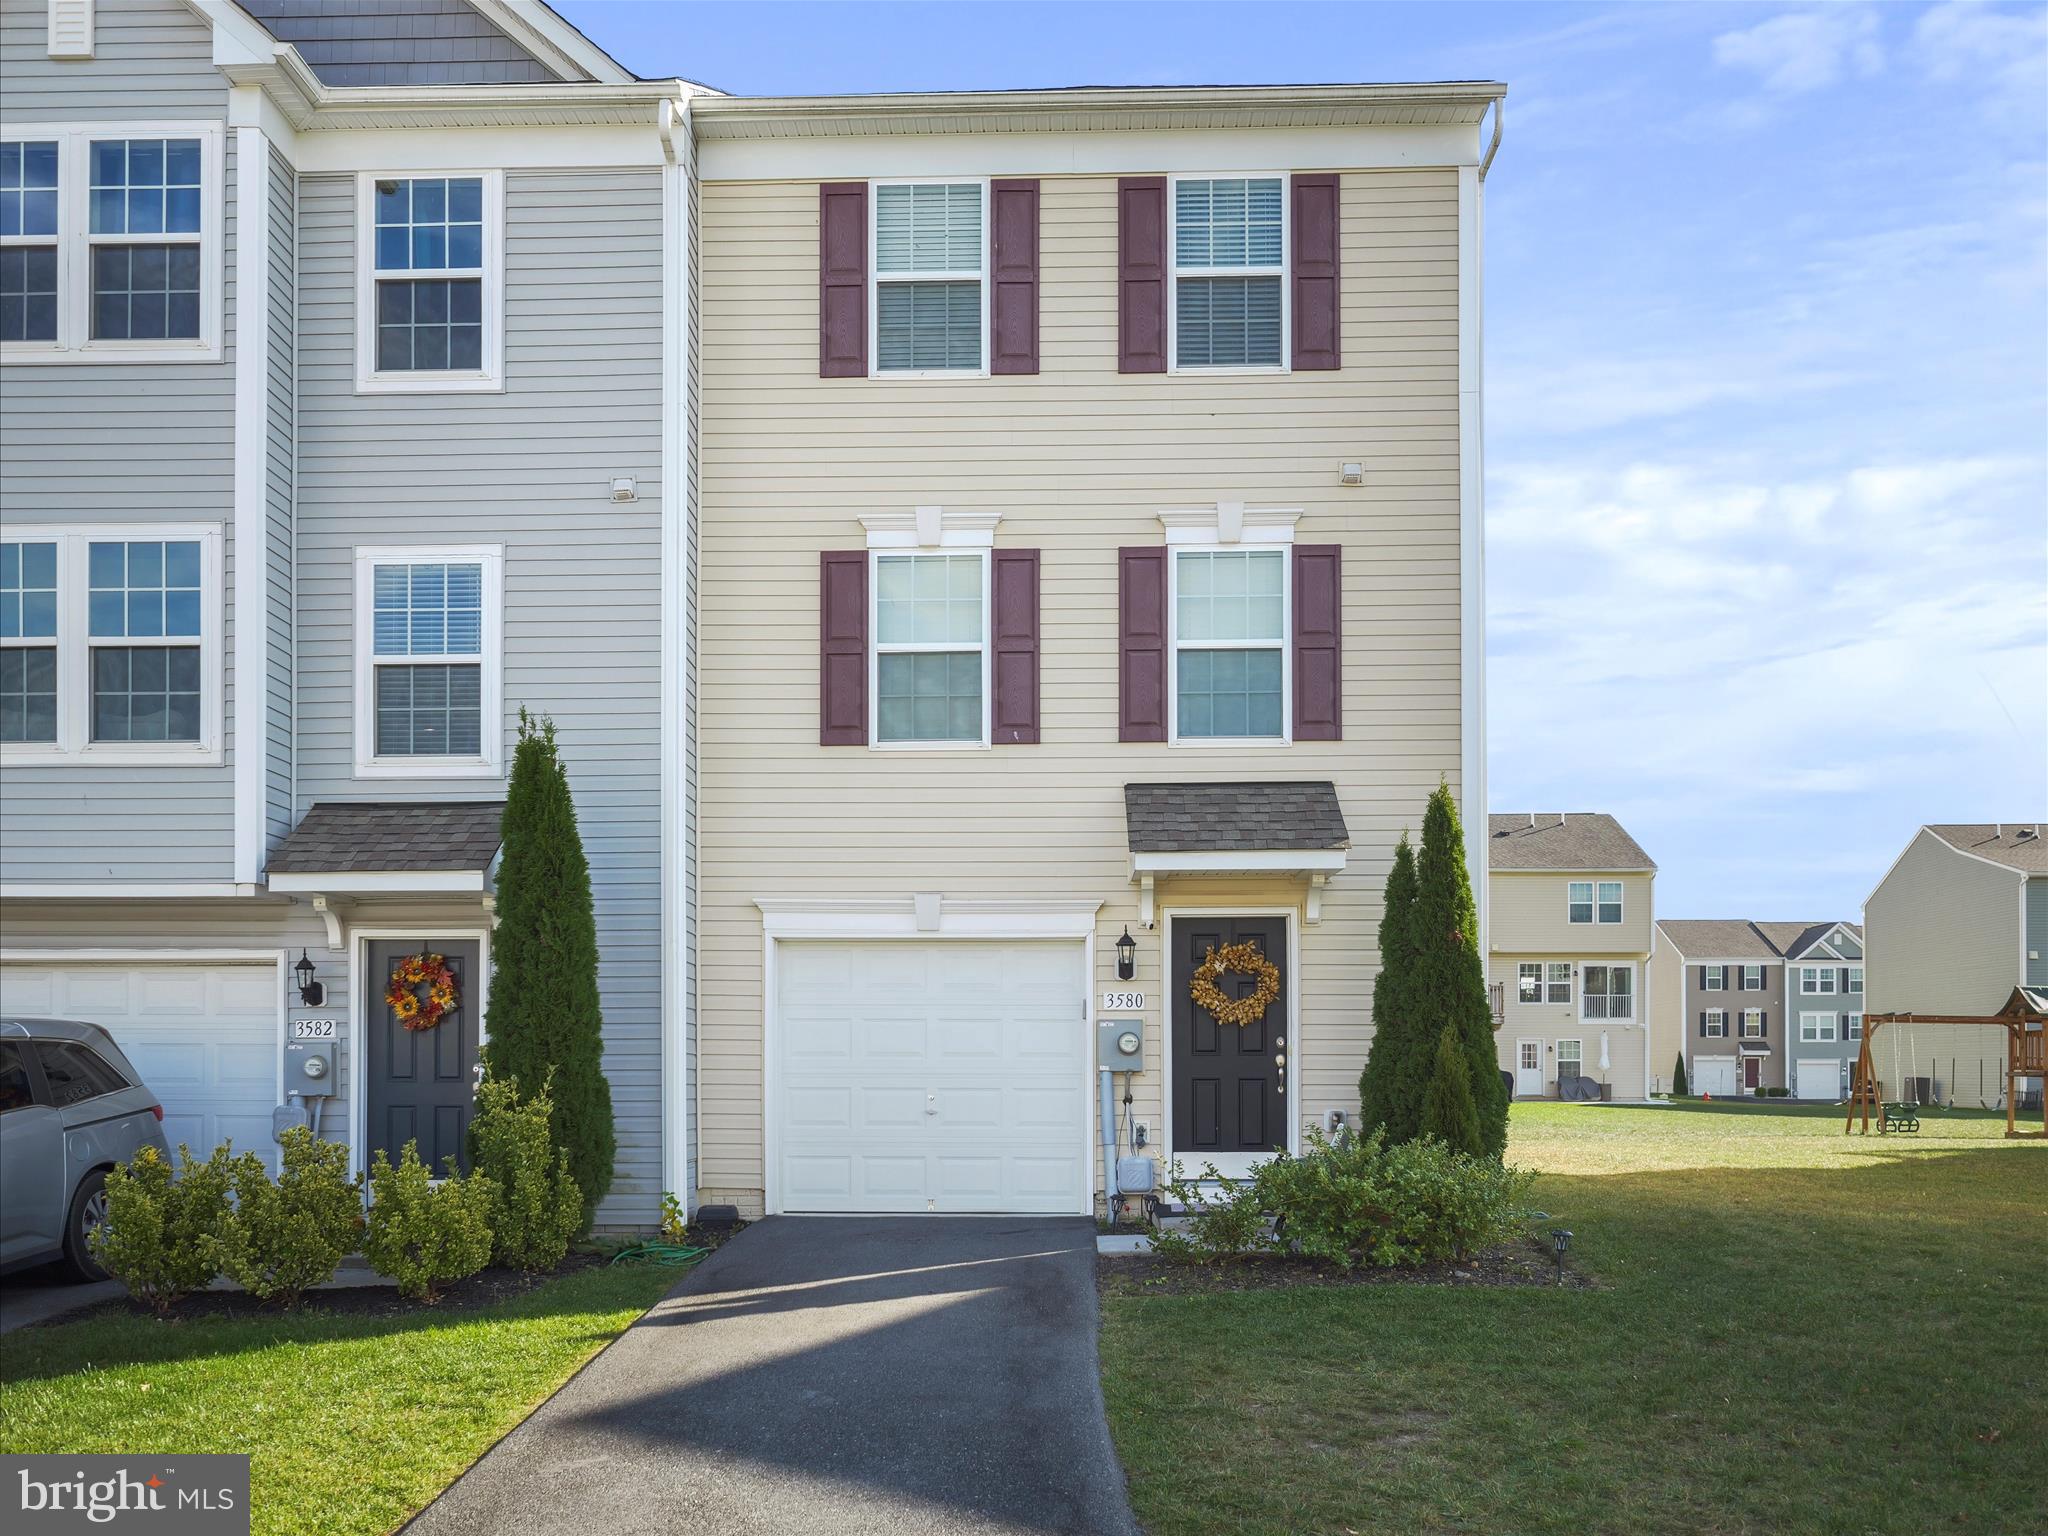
(287, 1236)
(545, 1017)
(422, 1234)
(1384, 1096)
(163, 1235)
(1449, 985)
(1678, 1087)
(1447, 1112)
(1226, 1217)
(536, 1203)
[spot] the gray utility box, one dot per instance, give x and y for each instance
(1120, 1045)
(309, 1068)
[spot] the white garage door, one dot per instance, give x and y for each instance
(930, 1077)
(204, 1037)
(1818, 1080)
(1714, 1075)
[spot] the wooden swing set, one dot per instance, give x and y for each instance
(2024, 1018)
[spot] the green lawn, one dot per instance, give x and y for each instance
(352, 1423)
(1797, 1332)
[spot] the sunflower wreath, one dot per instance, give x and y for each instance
(1244, 959)
(410, 974)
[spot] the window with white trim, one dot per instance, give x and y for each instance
(1579, 901)
(1606, 992)
(428, 662)
(1529, 982)
(1229, 303)
(1610, 901)
(1852, 1026)
(1816, 1028)
(1856, 980)
(930, 263)
(1817, 980)
(1752, 1023)
(1714, 1024)
(1714, 978)
(1230, 660)
(110, 242)
(1558, 982)
(1752, 978)
(1571, 1059)
(430, 311)
(931, 650)
(110, 643)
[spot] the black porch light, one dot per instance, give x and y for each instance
(1560, 1245)
(1126, 955)
(312, 993)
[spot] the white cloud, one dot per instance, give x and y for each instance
(2004, 54)
(1805, 50)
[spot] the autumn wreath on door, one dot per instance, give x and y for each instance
(428, 970)
(1242, 959)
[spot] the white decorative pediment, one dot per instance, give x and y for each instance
(1231, 522)
(930, 528)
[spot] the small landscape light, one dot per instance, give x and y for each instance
(1126, 955)
(1560, 1245)
(312, 993)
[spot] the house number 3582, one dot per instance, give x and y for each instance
(1123, 1002)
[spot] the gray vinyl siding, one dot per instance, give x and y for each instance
(531, 469)
(281, 465)
(122, 442)
(151, 59)
(1838, 1003)
(2037, 931)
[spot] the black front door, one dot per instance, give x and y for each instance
(422, 1082)
(1229, 1082)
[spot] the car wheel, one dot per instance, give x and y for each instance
(88, 1210)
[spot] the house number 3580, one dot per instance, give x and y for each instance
(1122, 1002)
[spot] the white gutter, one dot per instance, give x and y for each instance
(1500, 109)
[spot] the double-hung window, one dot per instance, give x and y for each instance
(429, 284)
(1852, 1026)
(1230, 659)
(931, 651)
(110, 643)
(1714, 1025)
(1229, 265)
(1856, 981)
(1579, 901)
(110, 242)
(1752, 1023)
(930, 263)
(1816, 1028)
(1529, 982)
(1559, 983)
(1715, 979)
(1571, 1059)
(1752, 978)
(428, 659)
(1610, 901)
(1607, 992)
(1817, 980)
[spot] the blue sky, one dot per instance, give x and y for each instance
(1767, 383)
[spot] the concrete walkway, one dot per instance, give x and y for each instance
(845, 1376)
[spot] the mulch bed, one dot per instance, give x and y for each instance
(1147, 1274)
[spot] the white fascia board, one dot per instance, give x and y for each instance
(552, 40)
(1241, 861)
(379, 882)
(124, 890)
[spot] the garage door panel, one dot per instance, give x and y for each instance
(1818, 1079)
(965, 1088)
(1715, 1076)
(172, 993)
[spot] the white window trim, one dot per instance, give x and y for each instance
(1561, 1044)
(490, 763)
(1620, 903)
(1528, 965)
(1818, 1029)
(488, 379)
(875, 557)
(1822, 978)
(875, 278)
(1607, 996)
(1173, 274)
(1592, 903)
(1710, 984)
(74, 742)
(1855, 981)
(1190, 541)
(1852, 1026)
(1752, 1016)
(1747, 984)
(1715, 1025)
(1571, 985)
(74, 240)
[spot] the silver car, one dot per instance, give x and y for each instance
(71, 1107)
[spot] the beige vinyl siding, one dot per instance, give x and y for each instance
(1552, 1022)
(1670, 1029)
(1079, 461)
(1529, 914)
(1943, 933)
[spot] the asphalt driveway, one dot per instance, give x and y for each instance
(839, 1375)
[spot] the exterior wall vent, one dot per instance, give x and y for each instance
(70, 29)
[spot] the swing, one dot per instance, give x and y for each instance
(2024, 1022)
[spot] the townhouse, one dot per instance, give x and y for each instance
(342, 418)
(982, 552)
(1958, 921)
(1573, 910)
(1758, 1008)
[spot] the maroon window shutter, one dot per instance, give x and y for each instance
(1013, 300)
(843, 280)
(1141, 646)
(1014, 578)
(1318, 642)
(1317, 320)
(1141, 278)
(843, 648)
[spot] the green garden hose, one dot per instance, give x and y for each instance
(669, 1255)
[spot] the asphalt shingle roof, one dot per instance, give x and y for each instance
(1212, 818)
(2020, 845)
(1736, 938)
(352, 836)
(1578, 840)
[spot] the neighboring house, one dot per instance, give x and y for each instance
(1717, 997)
(1958, 921)
(1091, 533)
(1824, 990)
(341, 420)
(1572, 913)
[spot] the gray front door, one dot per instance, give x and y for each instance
(421, 1082)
